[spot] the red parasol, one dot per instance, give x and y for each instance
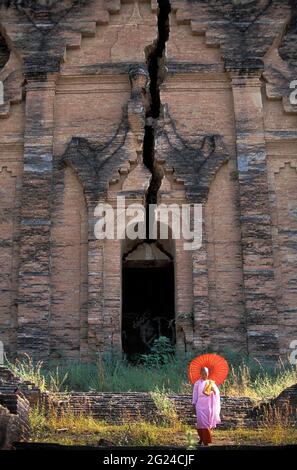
(217, 366)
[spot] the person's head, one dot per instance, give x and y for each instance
(204, 373)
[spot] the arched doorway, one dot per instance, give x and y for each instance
(148, 298)
(4, 52)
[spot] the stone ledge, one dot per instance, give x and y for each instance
(136, 406)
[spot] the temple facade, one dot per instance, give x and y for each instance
(189, 103)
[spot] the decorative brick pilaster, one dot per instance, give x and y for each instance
(183, 297)
(200, 292)
(112, 315)
(104, 292)
(95, 289)
(257, 250)
(34, 295)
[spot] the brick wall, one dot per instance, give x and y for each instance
(225, 137)
(117, 408)
(122, 407)
(19, 407)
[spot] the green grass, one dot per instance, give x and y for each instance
(275, 435)
(247, 377)
(259, 385)
(85, 430)
(169, 375)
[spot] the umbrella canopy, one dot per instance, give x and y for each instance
(217, 366)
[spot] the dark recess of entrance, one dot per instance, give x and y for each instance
(148, 305)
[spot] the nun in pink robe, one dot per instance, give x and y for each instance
(206, 401)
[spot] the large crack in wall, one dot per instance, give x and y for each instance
(155, 58)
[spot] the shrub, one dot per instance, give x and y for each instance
(166, 411)
(161, 353)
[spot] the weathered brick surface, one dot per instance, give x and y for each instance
(14, 407)
(18, 406)
(78, 93)
(17, 395)
(8, 428)
(287, 396)
(137, 406)
(11, 384)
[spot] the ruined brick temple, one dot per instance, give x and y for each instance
(180, 102)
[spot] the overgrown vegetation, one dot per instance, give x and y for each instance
(69, 429)
(160, 370)
(72, 429)
(166, 411)
(160, 373)
(259, 383)
(161, 353)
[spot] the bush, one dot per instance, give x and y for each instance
(29, 371)
(161, 353)
(166, 411)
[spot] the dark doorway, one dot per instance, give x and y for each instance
(148, 306)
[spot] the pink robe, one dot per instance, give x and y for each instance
(208, 407)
